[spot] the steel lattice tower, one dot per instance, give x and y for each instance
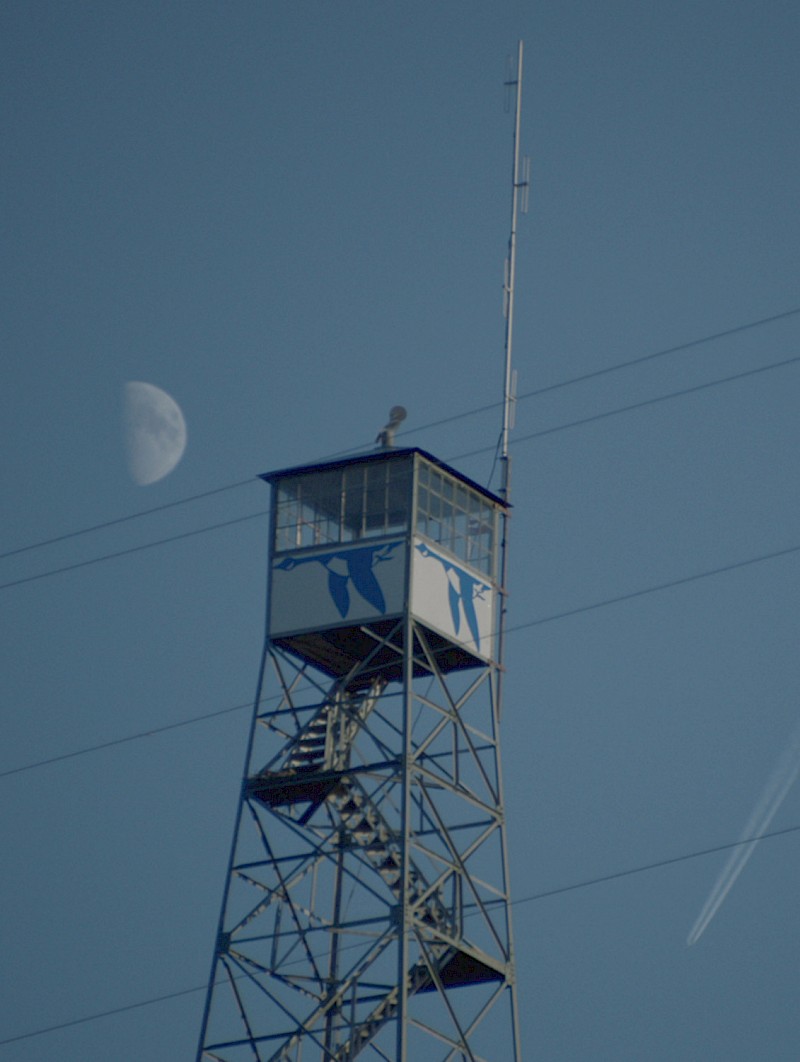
(366, 910)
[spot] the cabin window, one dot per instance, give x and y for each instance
(342, 505)
(455, 516)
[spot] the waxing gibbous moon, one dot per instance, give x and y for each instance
(155, 432)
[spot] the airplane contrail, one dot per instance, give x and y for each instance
(778, 785)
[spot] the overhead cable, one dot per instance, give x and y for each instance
(425, 427)
(125, 519)
(132, 549)
(604, 603)
(124, 740)
(638, 405)
(595, 373)
(682, 581)
(585, 884)
(616, 875)
(472, 453)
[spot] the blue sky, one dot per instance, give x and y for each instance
(291, 218)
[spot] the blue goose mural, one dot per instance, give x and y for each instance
(350, 567)
(462, 590)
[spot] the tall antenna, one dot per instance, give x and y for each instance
(519, 200)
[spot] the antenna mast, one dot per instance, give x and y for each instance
(519, 185)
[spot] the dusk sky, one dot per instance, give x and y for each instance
(290, 218)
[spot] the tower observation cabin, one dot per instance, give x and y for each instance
(366, 910)
(356, 544)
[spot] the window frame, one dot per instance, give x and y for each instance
(365, 501)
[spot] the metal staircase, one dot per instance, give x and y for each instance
(315, 768)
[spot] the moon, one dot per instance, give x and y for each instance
(155, 432)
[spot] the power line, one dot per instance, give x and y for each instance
(659, 586)
(585, 884)
(123, 740)
(132, 549)
(124, 519)
(663, 398)
(604, 603)
(472, 453)
(638, 405)
(660, 354)
(101, 1014)
(616, 875)
(432, 424)
(609, 369)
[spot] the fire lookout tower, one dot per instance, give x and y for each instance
(366, 909)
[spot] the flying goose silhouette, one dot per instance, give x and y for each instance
(349, 566)
(462, 589)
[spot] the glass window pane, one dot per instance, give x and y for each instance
(342, 505)
(459, 547)
(448, 524)
(461, 534)
(397, 496)
(375, 499)
(353, 502)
